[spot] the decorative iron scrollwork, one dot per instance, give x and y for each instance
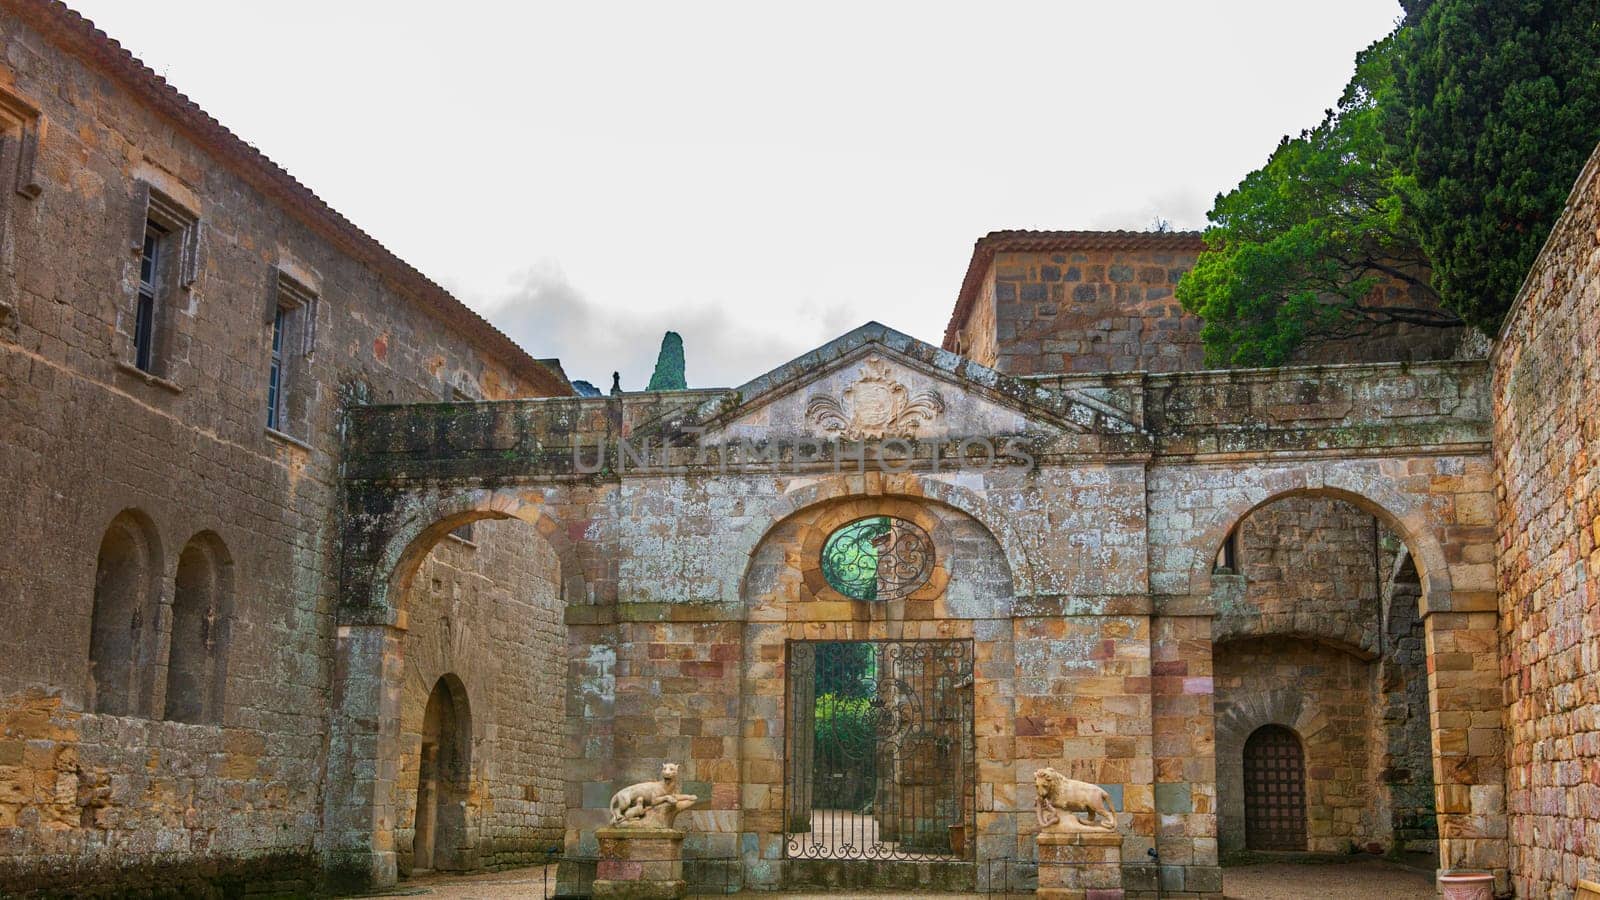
(878, 558)
(880, 758)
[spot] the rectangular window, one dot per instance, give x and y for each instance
(1228, 555)
(463, 532)
(275, 374)
(289, 388)
(144, 324)
(166, 238)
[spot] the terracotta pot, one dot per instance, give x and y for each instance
(1466, 886)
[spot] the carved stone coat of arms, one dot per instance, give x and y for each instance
(875, 406)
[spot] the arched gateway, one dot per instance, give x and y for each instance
(1065, 603)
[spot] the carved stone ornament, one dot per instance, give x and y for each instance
(875, 406)
(651, 804)
(1061, 801)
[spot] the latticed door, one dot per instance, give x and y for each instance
(1274, 790)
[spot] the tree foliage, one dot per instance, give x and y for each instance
(1295, 251)
(847, 669)
(668, 375)
(1497, 106)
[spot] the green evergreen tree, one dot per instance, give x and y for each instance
(1294, 251)
(668, 375)
(1498, 106)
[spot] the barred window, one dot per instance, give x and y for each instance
(877, 558)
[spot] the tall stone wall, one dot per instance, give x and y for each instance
(122, 801)
(1546, 367)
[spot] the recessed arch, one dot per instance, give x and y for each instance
(202, 618)
(864, 490)
(378, 642)
(127, 592)
(791, 606)
(805, 532)
(1274, 768)
(441, 838)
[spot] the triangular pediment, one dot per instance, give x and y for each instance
(876, 383)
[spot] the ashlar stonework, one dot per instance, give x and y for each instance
(394, 599)
(1084, 571)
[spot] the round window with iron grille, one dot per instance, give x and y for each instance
(877, 558)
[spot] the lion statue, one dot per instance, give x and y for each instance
(634, 804)
(1062, 800)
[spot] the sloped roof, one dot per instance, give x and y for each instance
(79, 37)
(984, 250)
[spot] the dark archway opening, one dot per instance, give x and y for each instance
(443, 781)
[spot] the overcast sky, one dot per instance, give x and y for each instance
(758, 176)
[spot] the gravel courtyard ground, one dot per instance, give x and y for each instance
(1360, 880)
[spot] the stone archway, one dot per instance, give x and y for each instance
(360, 812)
(788, 600)
(1461, 642)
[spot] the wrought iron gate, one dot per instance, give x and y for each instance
(1274, 790)
(879, 760)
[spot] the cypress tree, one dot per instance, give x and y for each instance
(1498, 108)
(668, 375)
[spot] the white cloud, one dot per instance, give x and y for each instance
(550, 316)
(757, 176)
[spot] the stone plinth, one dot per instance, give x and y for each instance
(640, 863)
(1080, 866)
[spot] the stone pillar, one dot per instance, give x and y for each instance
(1468, 746)
(640, 863)
(1079, 866)
(1185, 753)
(363, 758)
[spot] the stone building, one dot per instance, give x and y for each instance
(317, 579)
(182, 325)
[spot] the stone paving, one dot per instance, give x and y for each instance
(1269, 881)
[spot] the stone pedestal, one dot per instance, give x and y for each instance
(640, 863)
(1080, 866)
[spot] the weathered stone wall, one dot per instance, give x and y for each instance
(489, 612)
(1311, 567)
(92, 798)
(1092, 311)
(1546, 367)
(1100, 653)
(978, 337)
(1401, 751)
(1105, 303)
(1324, 696)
